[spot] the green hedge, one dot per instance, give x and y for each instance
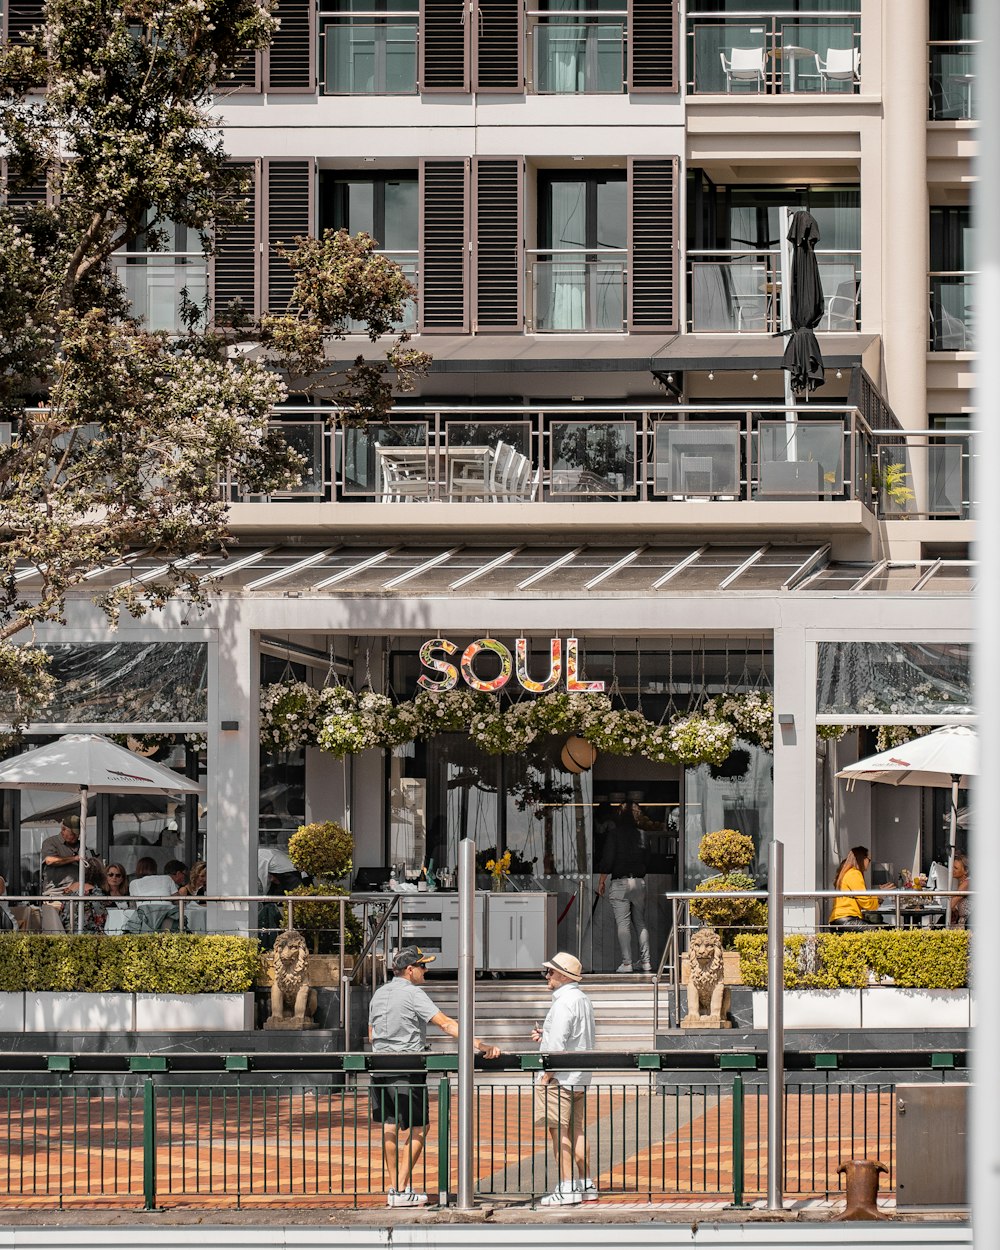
(913, 959)
(148, 963)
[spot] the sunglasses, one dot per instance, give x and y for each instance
(547, 972)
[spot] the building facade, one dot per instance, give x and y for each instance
(591, 202)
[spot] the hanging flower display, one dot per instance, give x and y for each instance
(342, 722)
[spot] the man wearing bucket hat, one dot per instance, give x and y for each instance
(398, 1017)
(561, 1095)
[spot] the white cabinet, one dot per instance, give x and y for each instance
(430, 921)
(449, 931)
(521, 931)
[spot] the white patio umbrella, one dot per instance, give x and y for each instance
(948, 757)
(91, 764)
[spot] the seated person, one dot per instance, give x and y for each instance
(960, 902)
(847, 910)
(156, 885)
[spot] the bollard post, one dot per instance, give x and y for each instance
(738, 1143)
(149, 1145)
(466, 1019)
(444, 1140)
(775, 1025)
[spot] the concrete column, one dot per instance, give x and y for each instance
(905, 213)
(233, 769)
(795, 757)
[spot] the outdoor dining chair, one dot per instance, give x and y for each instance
(744, 65)
(401, 479)
(841, 65)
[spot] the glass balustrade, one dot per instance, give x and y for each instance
(952, 312)
(578, 52)
(739, 292)
(576, 291)
(369, 53)
(158, 283)
(951, 83)
(761, 53)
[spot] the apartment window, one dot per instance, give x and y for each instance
(163, 275)
(579, 269)
(369, 47)
(384, 206)
(951, 279)
(580, 46)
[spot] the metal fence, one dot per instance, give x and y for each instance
(240, 1139)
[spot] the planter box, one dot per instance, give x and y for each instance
(11, 1013)
(186, 1013)
(730, 968)
(323, 970)
(877, 1007)
(46, 1012)
(890, 1007)
(813, 1009)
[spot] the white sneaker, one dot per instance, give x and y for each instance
(587, 1190)
(565, 1194)
(405, 1198)
(624, 968)
(647, 967)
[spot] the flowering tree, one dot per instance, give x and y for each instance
(120, 438)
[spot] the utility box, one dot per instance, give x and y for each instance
(931, 1145)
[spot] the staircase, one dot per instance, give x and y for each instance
(506, 1010)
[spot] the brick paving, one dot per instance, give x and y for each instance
(316, 1147)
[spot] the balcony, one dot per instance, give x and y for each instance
(371, 53)
(698, 454)
(952, 311)
(408, 262)
(159, 283)
(577, 291)
(579, 52)
(951, 81)
(739, 291)
(767, 53)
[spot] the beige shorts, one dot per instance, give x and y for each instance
(557, 1104)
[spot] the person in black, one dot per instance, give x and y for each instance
(625, 859)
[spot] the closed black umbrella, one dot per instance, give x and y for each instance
(803, 358)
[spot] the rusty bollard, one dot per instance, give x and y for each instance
(862, 1188)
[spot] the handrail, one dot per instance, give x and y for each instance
(575, 251)
(347, 981)
(730, 14)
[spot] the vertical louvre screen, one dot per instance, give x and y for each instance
(236, 255)
(499, 40)
(653, 244)
(246, 75)
(444, 245)
(291, 59)
(652, 45)
(498, 263)
(22, 15)
(444, 46)
(289, 185)
(18, 193)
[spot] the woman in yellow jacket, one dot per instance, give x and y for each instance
(846, 910)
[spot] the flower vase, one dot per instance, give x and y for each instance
(498, 885)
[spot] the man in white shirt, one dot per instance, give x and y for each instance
(561, 1096)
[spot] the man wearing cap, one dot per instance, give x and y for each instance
(397, 1025)
(561, 1095)
(60, 856)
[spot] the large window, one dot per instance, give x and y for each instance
(579, 47)
(580, 264)
(951, 279)
(369, 47)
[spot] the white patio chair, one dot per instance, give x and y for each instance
(499, 466)
(841, 65)
(401, 480)
(744, 65)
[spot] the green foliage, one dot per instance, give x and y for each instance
(729, 915)
(321, 921)
(726, 850)
(913, 959)
(153, 963)
(322, 849)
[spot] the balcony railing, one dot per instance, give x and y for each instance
(369, 53)
(760, 52)
(952, 313)
(577, 52)
(951, 81)
(577, 290)
(739, 291)
(729, 453)
(157, 284)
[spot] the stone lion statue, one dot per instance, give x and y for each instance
(293, 1000)
(708, 996)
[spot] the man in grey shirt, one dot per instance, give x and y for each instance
(398, 1017)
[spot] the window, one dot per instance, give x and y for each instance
(579, 270)
(951, 279)
(578, 51)
(370, 47)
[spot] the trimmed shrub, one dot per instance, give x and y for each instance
(147, 963)
(322, 849)
(913, 959)
(726, 850)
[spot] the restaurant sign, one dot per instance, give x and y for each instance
(511, 665)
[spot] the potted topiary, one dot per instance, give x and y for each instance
(324, 851)
(730, 853)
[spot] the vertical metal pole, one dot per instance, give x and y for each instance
(81, 859)
(984, 1141)
(149, 1144)
(738, 1141)
(444, 1139)
(775, 1025)
(466, 1016)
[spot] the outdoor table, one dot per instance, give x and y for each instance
(913, 917)
(791, 53)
